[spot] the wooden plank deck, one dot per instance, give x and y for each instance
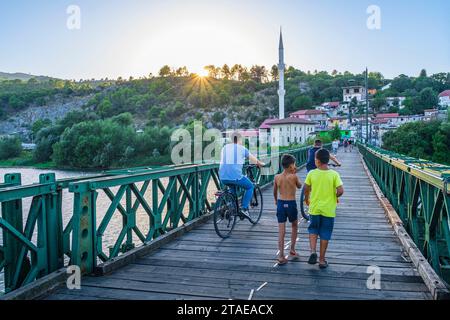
(199, 265)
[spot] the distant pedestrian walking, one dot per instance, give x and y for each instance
(346, 144)
(335, 145)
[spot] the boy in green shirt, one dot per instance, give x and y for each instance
(323, 187)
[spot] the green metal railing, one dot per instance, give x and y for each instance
(38, 243)
(419, 191)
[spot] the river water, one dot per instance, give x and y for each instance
(30, 176)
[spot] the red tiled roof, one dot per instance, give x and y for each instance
(291, 120)
(265, 124)
(445, 93)
(387, 115)
(307, 112)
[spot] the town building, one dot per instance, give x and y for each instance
(444, 99)
(318, 116)
(395, 101)
(358, 92)
(342, 122)
(265, 126)
(284, 132)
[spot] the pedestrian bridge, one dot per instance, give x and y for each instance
(155, 240)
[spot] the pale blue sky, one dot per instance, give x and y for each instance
(136, 37)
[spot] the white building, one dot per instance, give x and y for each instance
(388, 86)
(284, 132)
(318, 116)
(391, 101)
(444, 98)
(358, 92)
(431, 114)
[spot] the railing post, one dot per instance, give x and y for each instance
(172, 205)
(155, 207)
(53, 224)
(129, 220)
(84, 228)
(12, 213)
(196, 193)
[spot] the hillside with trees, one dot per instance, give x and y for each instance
(128, 122)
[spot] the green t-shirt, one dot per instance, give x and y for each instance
(323, 199)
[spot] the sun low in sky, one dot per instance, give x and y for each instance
(137, 37)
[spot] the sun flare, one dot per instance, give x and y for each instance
(202, 73)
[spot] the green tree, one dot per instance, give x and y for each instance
(40, 124)
(165, 71)
(258, 73)
(401, 83)
(335, 134)
(104, 109)
(302, 102)
(226, 72)
(423, 73)
(10, 147)
(93, 144)
(274, 73)
(378, 103)
(414, 139)
(428, 98)
(441, 144)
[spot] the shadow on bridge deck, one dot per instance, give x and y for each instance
(199, 265)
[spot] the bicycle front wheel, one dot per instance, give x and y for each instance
(256, 206)
(304, 210)
(225, 212)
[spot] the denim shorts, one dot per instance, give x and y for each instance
(322, 226)
(285, 210)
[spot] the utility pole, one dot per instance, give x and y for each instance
(367, 106)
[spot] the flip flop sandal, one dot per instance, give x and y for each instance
(323, 265)
(282, 261)
(312, 258)
(295, 256)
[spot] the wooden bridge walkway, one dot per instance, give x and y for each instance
(199, 265)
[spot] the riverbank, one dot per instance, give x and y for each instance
(26, 160)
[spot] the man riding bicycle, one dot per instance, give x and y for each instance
(232, 161)
(311, 164)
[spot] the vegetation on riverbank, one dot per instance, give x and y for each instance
(25, 160)
(424, 140)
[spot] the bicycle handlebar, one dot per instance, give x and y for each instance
(267, 165)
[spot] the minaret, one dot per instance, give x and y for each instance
(281, 91)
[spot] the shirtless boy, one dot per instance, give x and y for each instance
(284, 192)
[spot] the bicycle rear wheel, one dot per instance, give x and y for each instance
(256, 206)
(304, 209)
(225, 212)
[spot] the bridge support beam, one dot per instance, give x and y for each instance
(84, 230)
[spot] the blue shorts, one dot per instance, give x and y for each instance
(287, 209)
(322, 226)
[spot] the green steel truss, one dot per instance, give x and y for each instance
(419, 192)
(37, 243)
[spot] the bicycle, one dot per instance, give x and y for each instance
(227, 208)
(303, 207)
